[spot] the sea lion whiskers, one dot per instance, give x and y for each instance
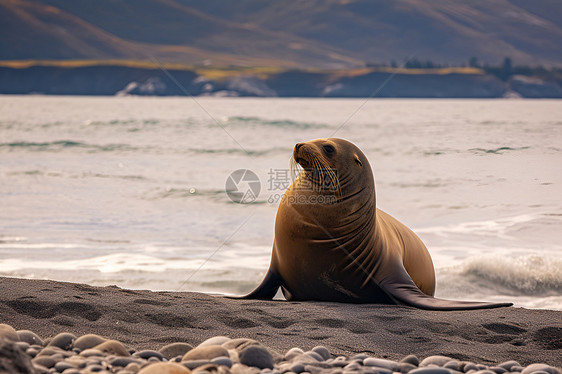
(295, 168)
(325, 170)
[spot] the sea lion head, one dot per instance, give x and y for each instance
(334, 166)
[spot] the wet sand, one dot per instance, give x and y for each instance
(150, 320)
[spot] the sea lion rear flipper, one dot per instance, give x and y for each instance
(408, 293)
(267, 289)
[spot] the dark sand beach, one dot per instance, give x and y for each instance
(149, 320)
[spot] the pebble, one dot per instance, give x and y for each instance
(205, 353)
(175, 349)
(322, 351)
(540, 367)
(30, 337)
(453, 365)
(124, 361)
(498, 369)
(195, 363)
(147, 353)
(380, 363)
(435, 360)
(45, 361)
(239, 344)
(92, 353)
(292, 353)
(217, 340)
(9, 333)
(64, 340)
(22, 345)
(430, 370)
(222, 361)
(297, 368)
(405, 367)
(314, 355)
(62, 366)
(113, 347)
(88, 341)
(256, 356)
(164, 368)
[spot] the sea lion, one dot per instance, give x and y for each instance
(333, 244)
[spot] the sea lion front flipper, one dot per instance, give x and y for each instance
(267, 289)
(405, 291)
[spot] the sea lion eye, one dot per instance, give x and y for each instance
(329, 149)
(358, 161)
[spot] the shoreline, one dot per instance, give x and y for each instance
(150, 320)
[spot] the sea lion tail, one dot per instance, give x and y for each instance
(409, 294)
(266, 290)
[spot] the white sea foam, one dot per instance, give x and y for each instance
(499, 227)
(531, 277)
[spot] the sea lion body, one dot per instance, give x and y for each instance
(333, 244)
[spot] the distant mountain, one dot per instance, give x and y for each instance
(288, 33)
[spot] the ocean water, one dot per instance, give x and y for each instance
(131, 191)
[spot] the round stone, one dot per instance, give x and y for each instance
(216, 340)
(498, 369)
(45, 361)
(175, 349)
(133, 367)
(32, 352)
(470, 366)
(62, 366)
(91, 352)
(453, 365)
(314, 355)
(405, 367)
(95, 368)
(292, 353)
(64, 340)
(540, 367)
(509, 364)
(340, 362)
(72, 371)
(8, 332)
(30, 337)
(256, 356)
(88, 341)
(222, 361)
(195, 363)
(322, 351)
(411, 359)
(22, 345)
(239, 344)
(113, 347)
(205, 353)
(381, 363)
(124, 361)
(435, 360)
(147, 353)
(430, 370)
(297, 368)
(51, 351)
(352, 366)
